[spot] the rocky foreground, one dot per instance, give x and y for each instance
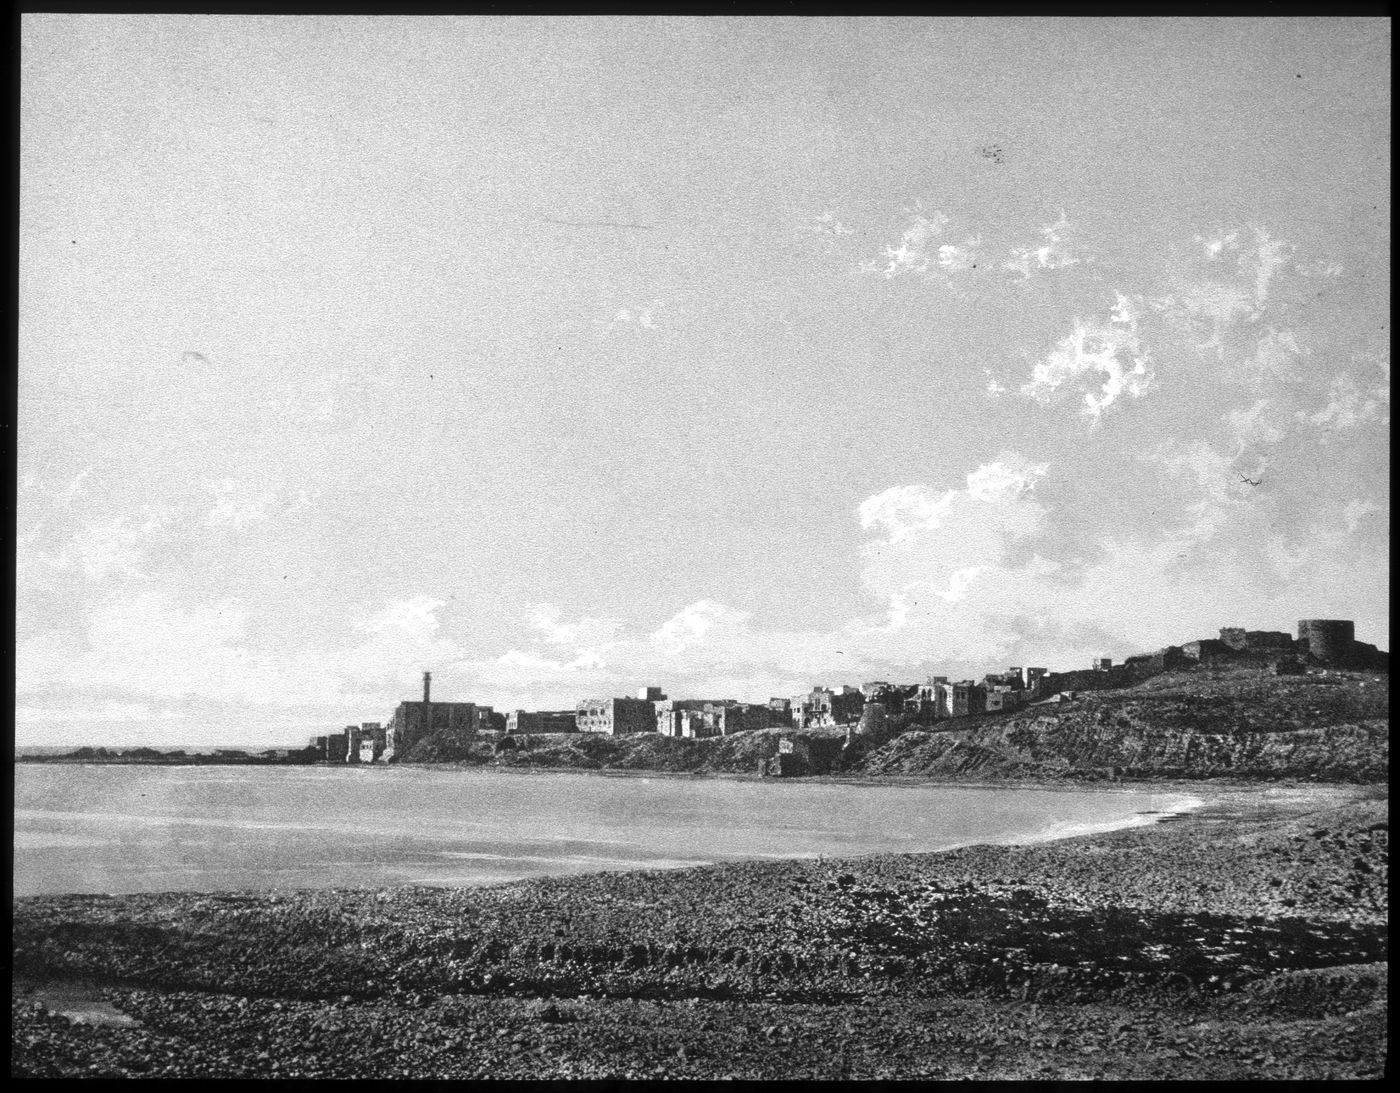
(1247, 940)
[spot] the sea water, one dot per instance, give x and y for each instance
(93, 828)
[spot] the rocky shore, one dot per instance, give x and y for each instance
(1246, 940)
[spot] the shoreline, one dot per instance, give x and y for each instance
(1246, 941)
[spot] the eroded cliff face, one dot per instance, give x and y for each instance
(1244, 724)
(1240, 724)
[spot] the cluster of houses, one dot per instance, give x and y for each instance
(1319, 642)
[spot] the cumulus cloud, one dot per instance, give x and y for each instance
(958, 257)
(695, 625)
(827, 224)
(1348, 406)
(917, 250)
(651, 314)
(1110, 351)
(235, 505)
(1227, 284)
(1055, 251)
(548, 621)
(1214, 482)
(1258, 424)
(1356, 511)
(115, 548)
(149, 645)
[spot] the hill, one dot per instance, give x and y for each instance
(1238, 723)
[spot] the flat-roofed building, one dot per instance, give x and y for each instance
(616, 716)
(538, 721)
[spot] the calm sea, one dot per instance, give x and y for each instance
(123, 829)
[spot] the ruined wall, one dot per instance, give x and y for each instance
(541, 721)
(1327, 641)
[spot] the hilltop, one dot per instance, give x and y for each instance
(1238, 723)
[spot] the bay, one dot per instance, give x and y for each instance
(93, 828)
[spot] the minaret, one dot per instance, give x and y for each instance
(427, 703)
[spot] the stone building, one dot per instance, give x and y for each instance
(412, 721)
(616, 716)
(536, 721)
(700, 718)
(335, 747)
(823, 707)
(357, 736)
(779, 711)
(965, 698)
(1000, 699)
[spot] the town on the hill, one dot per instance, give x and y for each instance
(1320, 643)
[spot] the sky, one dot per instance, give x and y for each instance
(566, 356)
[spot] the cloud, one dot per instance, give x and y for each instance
(1112, 350)
(1005, 479)
(957, 258)
(1053, 252)
(234, 505)
(548, 621)
(1349, 405)
(115, 548)
(903, 510)
(696, 624)
(916, 251)
(61, 500)
(1258, 424)
(1206, 296)
(1356, 511)
(827, 224)
(1216, 487)
(1268, 257)
(654, 314)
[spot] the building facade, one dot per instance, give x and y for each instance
(616, 716)
(536, 721)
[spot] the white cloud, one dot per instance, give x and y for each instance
(1356, 511)
(916, 250)
(1268, 257)
(1005, 479)
(903, 510)
(1053, 252)
(957, 258)
(1348, 406)
(234, 505)
(1215, 244)
(827, 224)
(696, 625)
(548, 621)
(651, 314)
(1259, 424)
(115, 548)
(1218, 489)
(1111, 350)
